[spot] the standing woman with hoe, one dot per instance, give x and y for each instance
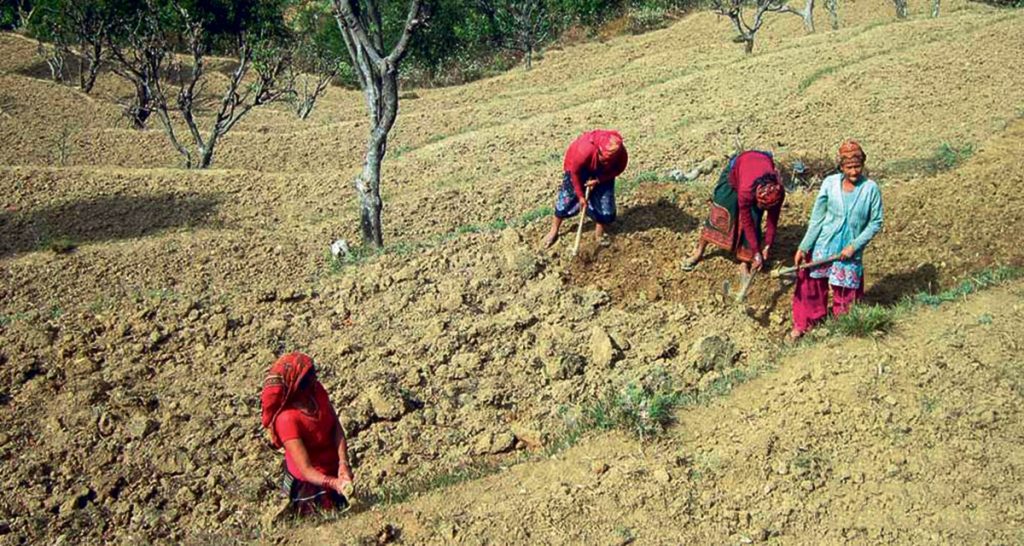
(846, 216)
(592, 162)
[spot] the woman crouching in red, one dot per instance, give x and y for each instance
(300, 418)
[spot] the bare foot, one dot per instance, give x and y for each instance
(549, 239)
(794, 335)
(690, 263)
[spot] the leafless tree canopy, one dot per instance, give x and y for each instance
(746, 31)
(313, 68)
(377, 71)
(519, 25)
(173, 87)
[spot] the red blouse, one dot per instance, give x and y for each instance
(317, 433)
(581, 160)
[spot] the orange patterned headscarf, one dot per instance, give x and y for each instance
(281, 383)
(768, 192)
(850, 152)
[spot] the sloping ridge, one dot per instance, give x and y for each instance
(914, 438)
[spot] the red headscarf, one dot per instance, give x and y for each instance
(281, 383)
(851, 152)
(609, 145)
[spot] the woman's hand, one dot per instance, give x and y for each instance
(847, 253)
(592, 182)
(799, 257)
(345, 472)
(764, 252)
(758, 262)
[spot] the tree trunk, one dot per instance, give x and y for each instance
(305, 108)
(748, 45)
(88, 77)
(206, 156)
(529, 57)
(140, 111)
(809, 16)
(901, 8)
(833, 13)
(368, 186)
(936, 4)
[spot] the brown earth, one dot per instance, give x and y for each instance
(911, 439)
(130, 367)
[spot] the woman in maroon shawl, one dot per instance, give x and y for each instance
(748, 188)
(300, 418)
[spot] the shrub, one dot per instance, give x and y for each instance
(646, 19)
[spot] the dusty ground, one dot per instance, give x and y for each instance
(913, 439)
(130, 367)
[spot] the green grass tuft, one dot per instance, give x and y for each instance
(642, 410)
(943, 158)
(815, 76)
(864, 320)
(983, 279)
(867, 320)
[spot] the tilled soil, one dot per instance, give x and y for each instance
(130, 367)
(915, 438)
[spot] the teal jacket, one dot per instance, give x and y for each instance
(831, 229)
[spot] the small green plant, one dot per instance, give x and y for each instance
(929, 403)
(497, 224)
(811, 465)
(58, 245)
(642, 410)
(985, 318)
(647, 18)
(530, 216)
(948, 156)
(468, 228)
(401, 150)
(625, 534)
(983, 279)
(627, 186)
(395, 493)
(864, 320)
(721, 386)
(945, 157)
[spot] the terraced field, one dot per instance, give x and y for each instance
(130, 367)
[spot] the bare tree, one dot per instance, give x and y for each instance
(55, 55)
(362, 29)
(901, 8)
(90, 28)
(26, 9)
(311, 72)
(153, 67)
(237, 100)
(833, 13)
(745, 32)
(518, 25)
(139, 54)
